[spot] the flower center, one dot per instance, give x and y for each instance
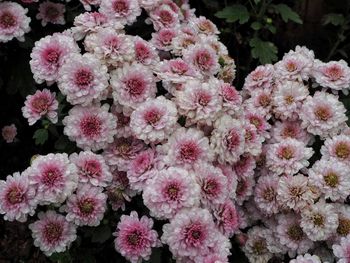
(296, 192)
(210, 187)
(189, 151)
(194, 234)
(342, 150)
(291, 66)
(14, 196)
(343, 227)
(91, 169)
(205, 26)
(259, 247)
(289, 99)
(112, 43)
(257, 75)
(142, 52)
(53, 232)
(135, 86)
(232, 140)
(203, 60)
(134, 238)
(166, 17)
(83, 78)
(51, 176)
(295, 233)
(52, 12)
(331, 179)
(229, 94)
(152, 117)
(7, 20)
(40, 104)
(333, 72)
(289, 131)
(323, 113)
(52, 56)
(86, 206)
(91, 126)
(173, 192)
(203, 98)
(318, 220)
(269, 194)
(286, 153)
(179, 67)
(264, 100)
(120, 7)
(255, 121)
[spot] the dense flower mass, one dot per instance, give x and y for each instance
(157, 126)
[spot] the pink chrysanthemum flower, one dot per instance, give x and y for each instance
(185, 147)
(17, 198)
(88, 3)
(135, 237)
(231, 177)
(41, 103)
(191, 233)
(53, 176)
(319, 221)
(307, 258)
(91, 127)
(214, 188)
(260, 78)
(162, 39)
(288, 156)
(323, 114)
(260, 101)
(149, 4)
(245, 166)
(9, 133)
(265, 194)
(343, 229)
(291, 235)
(245, 188)
(48, 55)
(123, 121)
(203, 25)
(132, 85)
(169, 191)
(226, 217)
(50, 12)
(82, 78)
(231, 98)
(334, 74)
(145, 53)
(199, 102)
(52, 233)
(252, 140)
(123, 11)
(290, 129)
(259, 121)
(203, 57)
(337, 147)
(122, 151)
(342, 250)
(164, 16)
(332, 178)
(140, 169)
(13, 21)
(227, 140)
(110, 47)
(91, 168)
(288, 97)
(154, 120)
(293, 192)
(182, 41)
(87, 206)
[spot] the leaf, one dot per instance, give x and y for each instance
(271, 28)
(40, 136)
(287, 13)
(234, 13)
(256, 26)
(264, 51)
(101, 234)
(63, 257)
(334, 19)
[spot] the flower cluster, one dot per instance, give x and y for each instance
(159, 120)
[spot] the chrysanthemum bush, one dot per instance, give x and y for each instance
(158, 121)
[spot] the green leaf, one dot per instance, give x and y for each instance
(234, 13)
(257, 1)
(40, 136)
(271, 28)
(334, 19)
(256, 26)
(63, 257)
(101, 234)
(287, 13)
(264, 51)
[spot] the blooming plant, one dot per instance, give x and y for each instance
(169, 155)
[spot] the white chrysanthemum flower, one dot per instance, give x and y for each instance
(319, 221)
(290, 129)
(342, 250)
(123, 11)
(307, 258)
(265, 194)
(338, 148)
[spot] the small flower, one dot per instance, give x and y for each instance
(337, 147)
(342, 250)
(290, 129)
(260, 78)
(307, 258)
(226, 218)
(9, 133)
(52, 233)
(123, 11)
(41, 103)
(50, 12)
(265, 194)
(135, 237)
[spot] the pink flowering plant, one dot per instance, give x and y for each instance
(159, 158)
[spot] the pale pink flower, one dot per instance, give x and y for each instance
(185, 148)
(291, 235)
(323, 114)
(41, 103)
(123, 121)
(122, 151)
(203, 25)
(231, 176)
(260, 101)
(164, 16)
(169, 191)
(288, 156)
(13, 21)
(337, 147)
(135, 237)
(290, 129)
(307, 258)
(191, 233)
(231, 98)
(87, 206)
(9, 133)
(182, 41)
(162, 39)
(293, 192)
(149, 4)
(260, 78)
(91, 168)
(50, 12)
(288, 98)
(342, 250)
(53, 176)
(227, 140)
(252, 140)
(265, 194)
(145, 53)
(132, 85)
(17, 198)
(259, 121)
(245, 166)
(203, 57)
(176, 71)
(52, 233)
(319, 221)
(88, 3)
(334, 74)
(226, 217)
(123, 11)
(140, 169)
(245, 188)
(91, 127)
(48, 55)
(154, 120)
